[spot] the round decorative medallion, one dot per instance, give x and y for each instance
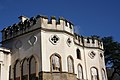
(18, 44)
(54, 39)
(92, 55)
(69, 42)
(32, 40)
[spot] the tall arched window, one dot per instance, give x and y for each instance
(103, 75)
(25, 70)
(17, 70)
(80, 72)
(94, 74)
(78, 54)
(55, 62)
(70, 64)
(33, 66)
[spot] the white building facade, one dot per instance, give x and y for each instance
(5, 59)
(50, 50)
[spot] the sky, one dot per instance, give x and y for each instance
(90, 17)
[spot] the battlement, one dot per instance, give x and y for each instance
(43, 22)
(28, 24)
(54, 24)
(88, 41)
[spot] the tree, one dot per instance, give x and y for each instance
(112, 55)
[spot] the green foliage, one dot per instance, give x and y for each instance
(112, 54)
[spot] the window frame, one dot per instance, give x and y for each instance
(72, 63)
(78, 53)
(51, 70)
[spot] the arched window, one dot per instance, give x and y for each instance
(17, 70)
(25, 70)
(103, 75)
(94, 74)
(55, 62)
(33, 66)
(70, 64)
(80, 72)
(78, 54)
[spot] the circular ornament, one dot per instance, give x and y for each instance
(18, 44)
(32, 40)
(54, 39)
(91, 55)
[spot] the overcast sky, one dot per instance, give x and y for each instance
(90, 17)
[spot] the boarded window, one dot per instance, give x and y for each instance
(32, 68)
(25, 70)
(103, 75)
(70, 65)
(55, 59)
(80, 72)
(94, 74)
(17, 71)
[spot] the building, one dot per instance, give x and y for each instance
(37, 48)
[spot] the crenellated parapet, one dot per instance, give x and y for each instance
(18, 28)
(54, 24)
(88, 41)
(29, 24)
